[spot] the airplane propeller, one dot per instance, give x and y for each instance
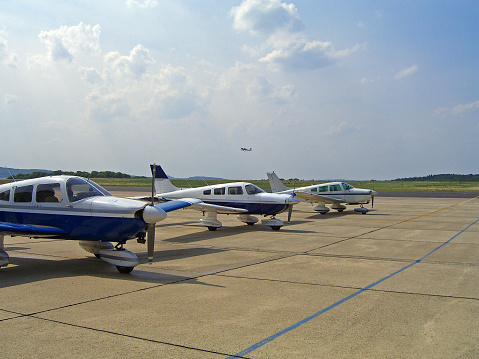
(150, 238)
(290, 212)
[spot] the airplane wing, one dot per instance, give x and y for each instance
(317, 197)
(30, 230)
(193, 202)
(173, 205)
(207, 207)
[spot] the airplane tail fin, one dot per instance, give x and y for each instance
(275, 183)
(162, 182)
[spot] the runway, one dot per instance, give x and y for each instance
(398, 282)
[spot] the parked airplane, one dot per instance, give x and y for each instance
(246, 149)
(333, 193)
(70, 207)
(241, 198)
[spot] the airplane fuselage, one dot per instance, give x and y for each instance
(96, 216)
(241, 195)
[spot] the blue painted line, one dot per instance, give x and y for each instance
(341, 301)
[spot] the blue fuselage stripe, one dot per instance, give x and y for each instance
(80, 227)
(322, 311)
(253, 207)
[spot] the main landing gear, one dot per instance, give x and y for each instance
(361, 209)
(122, 258)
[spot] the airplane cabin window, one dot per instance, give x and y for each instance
(235, 190)
(335, 188)
(220, 190)
(23, 194)
(314, 189)
(252, 189)
(5, 195)
(347, 186)
(207, 192)
(323, 189)
(49, 193)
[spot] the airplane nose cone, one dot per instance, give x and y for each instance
(291, 200)
(153, 214)
(373, 193)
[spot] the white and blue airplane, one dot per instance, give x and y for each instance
(333, 193)
(241, 198)
(75, 208)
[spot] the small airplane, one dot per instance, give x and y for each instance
(333, 193)
(246, 149)
(75, 208)
(241, 198)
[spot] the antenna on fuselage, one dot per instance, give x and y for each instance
(10, 173)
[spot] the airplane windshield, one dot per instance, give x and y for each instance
(347, 186)
(252, 189)
(79, 188)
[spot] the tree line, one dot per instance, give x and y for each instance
(92, 174)
(443, 177)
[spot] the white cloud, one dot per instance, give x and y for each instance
(90, 75)
(142, 3)
(286, 47)
(266, 17)
(7, 57)
(406, 72)
(135, 64)
(65, 43)
(459, 110)
(10, 99)
(303, 55)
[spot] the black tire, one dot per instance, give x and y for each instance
(212, 228)
(275, 228)
(124, 270)
(250, 223)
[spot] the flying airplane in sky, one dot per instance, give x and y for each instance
(333, 193)
(246, 149)
(70, 207)
(241, 198)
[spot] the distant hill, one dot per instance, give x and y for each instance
(15, 171)
(443, 177)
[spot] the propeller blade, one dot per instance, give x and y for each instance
(290, 212)
(151, 226)
(151, 241)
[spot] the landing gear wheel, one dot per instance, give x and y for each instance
(97, 255)
(340, 210)
(124, 270)
(275, 228)
(250, 223)
(212, 228)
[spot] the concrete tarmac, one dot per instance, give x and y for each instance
(399, 282)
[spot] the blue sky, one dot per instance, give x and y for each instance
(318, 89)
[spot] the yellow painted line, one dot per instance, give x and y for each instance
(439, 210)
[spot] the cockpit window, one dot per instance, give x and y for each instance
(79, 188)
(347, 186)
(23, 194)
(252, 189)
(49, 192)
(5, 195)
(323, 189)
